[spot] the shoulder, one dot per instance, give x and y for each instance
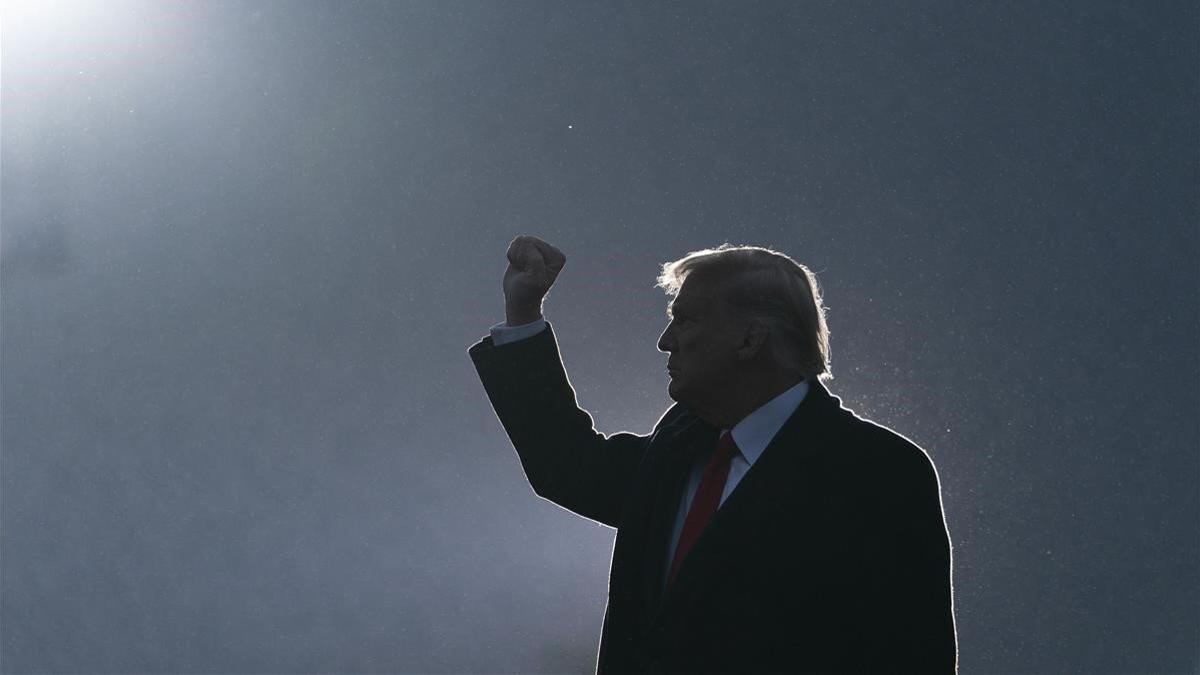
(883, 453)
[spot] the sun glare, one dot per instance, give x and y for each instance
(39, 30)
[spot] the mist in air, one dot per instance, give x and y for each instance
(246, 245)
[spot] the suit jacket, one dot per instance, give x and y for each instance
(831, 555)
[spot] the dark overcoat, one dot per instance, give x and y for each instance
(830, 556)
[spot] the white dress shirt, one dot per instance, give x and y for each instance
(752, 434)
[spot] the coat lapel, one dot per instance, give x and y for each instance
(681, 449)
(757, 494)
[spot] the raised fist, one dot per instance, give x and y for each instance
(533, 265)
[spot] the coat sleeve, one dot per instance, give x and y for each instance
(910, 617)
(565, 459)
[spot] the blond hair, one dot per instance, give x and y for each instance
(770, 286)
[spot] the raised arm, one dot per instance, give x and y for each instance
(565, 459)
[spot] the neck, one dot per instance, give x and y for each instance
(744, 397)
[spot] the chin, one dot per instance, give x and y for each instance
(676, 392)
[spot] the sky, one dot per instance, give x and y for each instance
(245, 246)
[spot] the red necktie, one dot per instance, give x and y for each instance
(707, 500)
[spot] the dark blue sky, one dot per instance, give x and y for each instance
(245, 247)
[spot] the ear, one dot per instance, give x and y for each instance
(754, 337)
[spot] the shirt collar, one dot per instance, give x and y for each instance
(754, 433)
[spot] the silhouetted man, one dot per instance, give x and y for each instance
(761, 527)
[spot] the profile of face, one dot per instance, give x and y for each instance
(702, 341)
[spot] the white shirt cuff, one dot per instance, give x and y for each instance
(502, 333)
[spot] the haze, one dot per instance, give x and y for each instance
(246, 245)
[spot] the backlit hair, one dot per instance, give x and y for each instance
(767, 285)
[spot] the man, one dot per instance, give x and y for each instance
(761, 526)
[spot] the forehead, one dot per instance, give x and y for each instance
(693, 295)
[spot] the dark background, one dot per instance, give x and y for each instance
(246, 246)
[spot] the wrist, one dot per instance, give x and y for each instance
(522, 319)
(519, 316)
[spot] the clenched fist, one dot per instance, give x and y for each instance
(533, 265)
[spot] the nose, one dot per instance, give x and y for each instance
(666, 341)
